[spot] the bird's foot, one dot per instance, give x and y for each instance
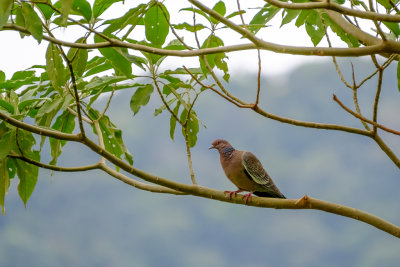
(230, 193)
(247, 197)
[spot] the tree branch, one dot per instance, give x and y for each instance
(338, 8)
(365, 119)
(387, 47)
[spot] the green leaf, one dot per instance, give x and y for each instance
(79, 58)
(114, 54)
(220, 8)
(112, 136)
(6, 143)
(28, 175)
(349, 39)
(82, 7)
(172, 121)
(46, 10)
(314, 28)
(64, 123)
(159, 110)
(5, 10)
(141, 97)
(66, 6)
(20, 20)
(132, 17)
(291, 14)
(192, 126)
(393, 27)
(48, 110)
(214, 59)
(156, 24)
(4, 183)
(2, 76)
(7, 106)
(55, 68)
(32, 22)
(100, 6)
(197, 11)
(236, 13)
(385, 3)
(302, 17)
(266, 13)
(188, 27)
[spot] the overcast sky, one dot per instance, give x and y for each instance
(18, 54)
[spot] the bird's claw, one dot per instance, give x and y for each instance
(230, 193)
(247, 197)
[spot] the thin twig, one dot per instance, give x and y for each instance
(355, 97)
(258, 78)
(53, 167)
(365, 119)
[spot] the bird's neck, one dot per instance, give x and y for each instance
(227, 151)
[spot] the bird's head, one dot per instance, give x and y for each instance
(220, 144)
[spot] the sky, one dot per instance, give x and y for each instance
(18, 54)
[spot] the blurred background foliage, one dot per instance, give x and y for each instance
(91, 219)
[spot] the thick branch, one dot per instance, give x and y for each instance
(338, 8)
(377, 48)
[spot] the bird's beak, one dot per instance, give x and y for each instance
(211, 147)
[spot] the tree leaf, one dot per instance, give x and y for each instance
(265, 14)
(192, 126)
(119, 62)
(2, 76)
(46, 11)
(4, 182)
(236, 13)
(112, 136)
(64, 123)
(7, 106)
(5, 10)
(291, 14)
(82, 7)
(156, 24)
(55, 68)
(32, 22)
(100, 6)
(28, 175)
(302, 17)
(188, 27)
(79, 58)
(66, 6)
(197, 11)
(172, 121)
(220, 8)
(393, 27)
(314, 28)
(132, 17)
(141, 97)
(6, 143)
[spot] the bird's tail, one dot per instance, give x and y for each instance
(269, 194)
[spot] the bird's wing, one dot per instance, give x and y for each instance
(254, 169)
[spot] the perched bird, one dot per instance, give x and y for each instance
(245, 171)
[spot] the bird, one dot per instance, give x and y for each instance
(245, 171)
